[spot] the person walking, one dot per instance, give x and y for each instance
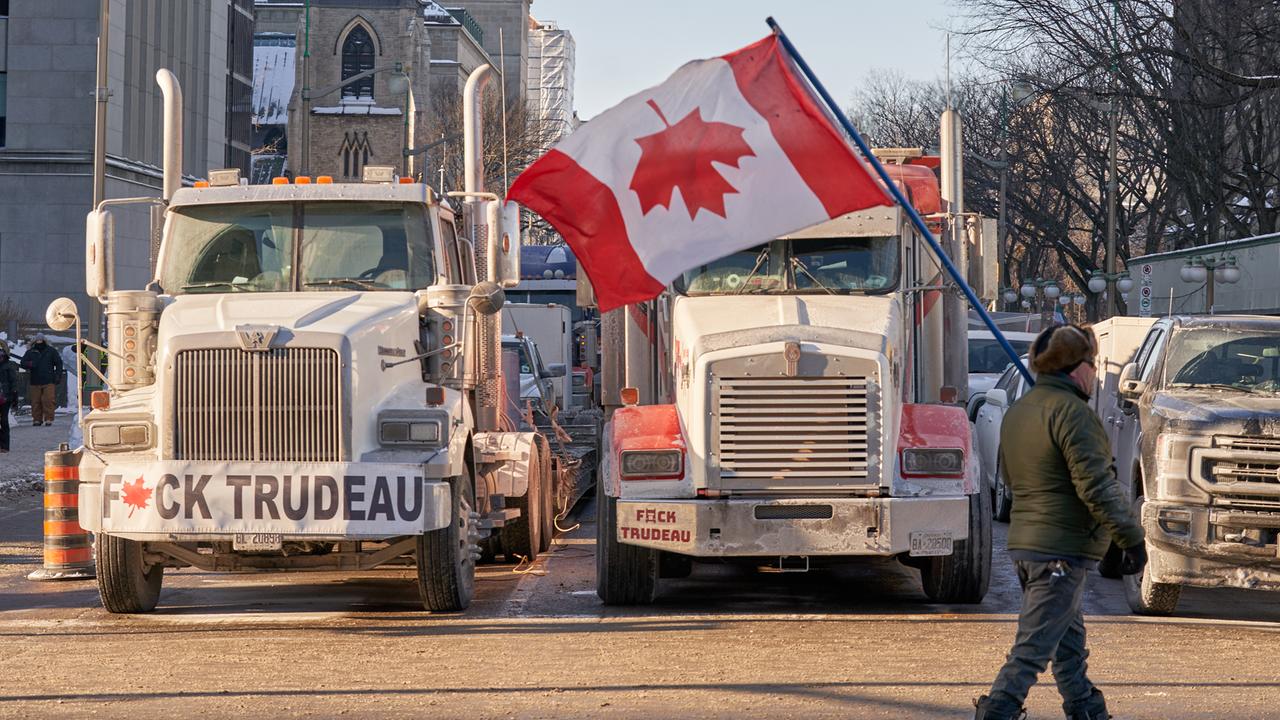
(1067, 508)
(8, 393)
(44, 366)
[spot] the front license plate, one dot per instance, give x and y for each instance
(928, 544)
(257, 542)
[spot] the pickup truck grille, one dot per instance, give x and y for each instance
(1243, 467)
(282, 404)
(786, 431)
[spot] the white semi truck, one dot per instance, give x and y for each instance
(782, 406)
(311, 381)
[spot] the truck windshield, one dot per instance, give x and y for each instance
(259, 247)
(1227, 359)
(787, 267)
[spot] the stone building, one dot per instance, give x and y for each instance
(48, 61)
(337, 129)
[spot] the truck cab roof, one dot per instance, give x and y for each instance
(374, 192)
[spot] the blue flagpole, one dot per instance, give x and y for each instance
(901, 199)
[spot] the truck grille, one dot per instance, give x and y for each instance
(1243, 467)
(806, 429)
(282, 404)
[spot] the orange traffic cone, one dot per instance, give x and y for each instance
(68, 549)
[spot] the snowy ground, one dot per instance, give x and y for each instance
(22, 469)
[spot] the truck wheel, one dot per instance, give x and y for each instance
(1003, 499)
(1150, 598)
(125, 583)
(550, 495)
(522, 537)
(965, 574)
(625, 574)
(446, 558)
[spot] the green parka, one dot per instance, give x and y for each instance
(1057, 463)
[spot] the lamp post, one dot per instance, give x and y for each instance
(1100, 281)
(1210, 271)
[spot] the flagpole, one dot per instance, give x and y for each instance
(901, 199)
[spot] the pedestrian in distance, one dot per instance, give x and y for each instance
(1067, 508)
(44, 366)
(8, 393)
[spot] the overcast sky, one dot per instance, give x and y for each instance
(625, 46)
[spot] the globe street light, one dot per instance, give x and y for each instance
(1210, 271)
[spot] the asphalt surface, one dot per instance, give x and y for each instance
(858, 642)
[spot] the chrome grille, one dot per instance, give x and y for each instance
(282, 404)
(809, 429)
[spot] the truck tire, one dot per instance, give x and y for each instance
(1150, 598)
(550, 494)
(625, 574)
(965, 574)
(125, 584)
(446, 558)
(1002, 499)
(522, 537)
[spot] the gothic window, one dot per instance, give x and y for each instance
(355, 152)
(357, 57)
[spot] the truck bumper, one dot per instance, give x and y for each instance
(1189, 546)
(180, 501)
(773, 527)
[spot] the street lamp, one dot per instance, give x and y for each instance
(1010, 295)
(1210, 271)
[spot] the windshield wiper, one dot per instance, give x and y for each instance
(216, 283)
(764, 255)
(1215, 386)
(798, 264)
(329, 282)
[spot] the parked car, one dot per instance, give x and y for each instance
(987, 360)
(1195, 427)
(1009, 387)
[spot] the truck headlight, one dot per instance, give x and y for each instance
(406, 428)
(933, 462)
(117, 437)
(652, 464)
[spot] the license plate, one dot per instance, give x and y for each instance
(257, 542)
(928, 544)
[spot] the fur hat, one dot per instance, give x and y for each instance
(1062, 347)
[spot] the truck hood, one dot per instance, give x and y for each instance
(1218, 411)
(328, 312)
(871, 318)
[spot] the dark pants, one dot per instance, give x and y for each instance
(4, 425)
(1050, 628)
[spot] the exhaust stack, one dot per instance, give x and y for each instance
(172, 93)
(473, 129)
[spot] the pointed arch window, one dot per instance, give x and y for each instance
(357, 57)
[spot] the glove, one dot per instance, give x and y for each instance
(1134, 559)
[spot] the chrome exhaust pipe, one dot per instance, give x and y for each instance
(172, 93)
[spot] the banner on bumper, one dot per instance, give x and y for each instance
(340, 499)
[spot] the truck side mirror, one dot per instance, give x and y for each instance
(99, 231)
(998, 397)
(557, 370)
(1130, 387)
(504, 242)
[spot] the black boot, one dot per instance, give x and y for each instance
(985, 709)
(1092, 708)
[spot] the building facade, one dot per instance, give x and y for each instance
(47, 102)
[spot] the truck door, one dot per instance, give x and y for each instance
(1121, 422)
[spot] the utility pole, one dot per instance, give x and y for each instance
(1002, 229)
(1114, 119)
(304, 122)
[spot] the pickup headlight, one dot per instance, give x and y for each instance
(652, 464)
(933, 462)
(409, 428)
(119, 437)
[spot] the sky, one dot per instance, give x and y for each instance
(625, 46)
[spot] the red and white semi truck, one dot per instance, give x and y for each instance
(783, 406)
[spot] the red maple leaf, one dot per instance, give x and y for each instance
(136, 496)
(681, 156)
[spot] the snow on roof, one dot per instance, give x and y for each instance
(355, 109)
(273, 68)
(435, 14)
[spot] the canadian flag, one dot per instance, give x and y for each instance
(726, 154)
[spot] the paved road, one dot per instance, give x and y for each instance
(727, 642)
